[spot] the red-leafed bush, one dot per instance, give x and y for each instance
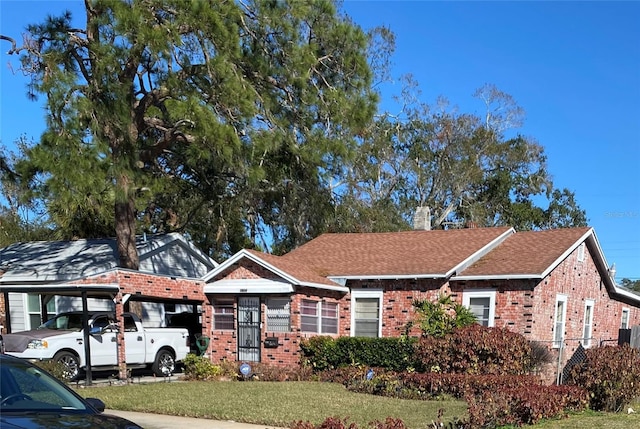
(461, 385)
(611, 374)
(342, 423)
(520, 406)
(475, 350)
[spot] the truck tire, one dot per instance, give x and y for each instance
(71, 363)
(164, 364)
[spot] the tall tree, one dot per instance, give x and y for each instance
(464, 167)
(195, 116)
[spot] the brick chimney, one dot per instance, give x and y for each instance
(422, 219)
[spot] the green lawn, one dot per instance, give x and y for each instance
(279, 404)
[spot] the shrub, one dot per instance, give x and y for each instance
(57, 369)
(200, 368)
(433, 386)
(319, 352)
(441, 317)
(325, 353)
(475, 350)
(343, 423)
(267, 372)
(490, 409)
(611, 374)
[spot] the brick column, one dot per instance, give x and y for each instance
(122, 361)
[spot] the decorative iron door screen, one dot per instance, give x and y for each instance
(249, 329)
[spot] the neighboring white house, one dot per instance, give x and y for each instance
(42, 263)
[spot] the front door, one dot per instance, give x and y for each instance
(248, 329)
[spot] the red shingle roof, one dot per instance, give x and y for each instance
(300, 271)
(435, 252)
(528, 252)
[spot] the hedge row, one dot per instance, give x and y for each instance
(326, 353)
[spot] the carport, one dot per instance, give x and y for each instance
(122, 287)
(84, 291)
(170, 272)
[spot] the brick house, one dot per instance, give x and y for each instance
(551, 286)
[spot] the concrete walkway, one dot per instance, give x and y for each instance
(161, 421)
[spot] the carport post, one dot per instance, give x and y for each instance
(120, 343)
(87, 336)
(7, 313)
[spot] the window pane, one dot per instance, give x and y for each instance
(480, 307)
(329, 309)
(33, 303)
(366, 317)
(309, 324)
(329, 326)
(559, 328)
(34, 319)
(309, 308)
(625, 319)
(278, 315)
(329, 318)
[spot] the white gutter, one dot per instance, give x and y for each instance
(340, 279)
(626, 293)
(500, 277)
(97, 287)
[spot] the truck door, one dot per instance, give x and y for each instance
(103, 346)
(133, 341)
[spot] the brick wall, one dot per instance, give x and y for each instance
(397, 311)
(528, 307)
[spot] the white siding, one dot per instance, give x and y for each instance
(17, 311)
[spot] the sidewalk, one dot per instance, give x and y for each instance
(160, 421)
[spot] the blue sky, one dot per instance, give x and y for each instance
(573, 66)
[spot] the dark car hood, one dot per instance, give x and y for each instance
(58, 421)
(18, 341)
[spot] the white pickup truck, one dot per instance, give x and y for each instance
(61, 339)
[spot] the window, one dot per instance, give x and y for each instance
(366, 314)
(278, 315)
(587, 330)
(223, 314)
(35, 310)
(309, 321)
(319, 317)
(329, 318)
(561, 314)
(482, 303)
(624, 324)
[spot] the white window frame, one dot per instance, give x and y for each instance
(30, 312)
(366, 293)
(624, 321)
(319, 318)
(468, 294)
(279, 311)
(558, 337)
(587, 325)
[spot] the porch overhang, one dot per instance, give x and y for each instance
(248, 287)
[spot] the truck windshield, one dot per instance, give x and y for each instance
(64, 322)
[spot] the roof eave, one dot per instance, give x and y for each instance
(626, 293)
(388, 277)
(499, 277)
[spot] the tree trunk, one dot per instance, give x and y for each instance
(126, 225)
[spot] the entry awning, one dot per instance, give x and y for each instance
(248, 286)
